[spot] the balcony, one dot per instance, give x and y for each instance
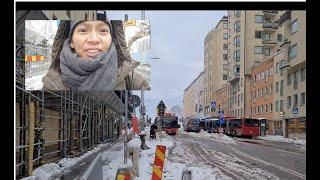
(270, 13)
(284, 17)
(234, 77)
(270, 26)
(270, 42)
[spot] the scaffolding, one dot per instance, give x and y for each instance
(51, 125)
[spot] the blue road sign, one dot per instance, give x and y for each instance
(295, 111)
(220, 113)
(213, 104)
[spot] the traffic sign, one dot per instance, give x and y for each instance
(220, 113)
(213, 104)
(295, 111)
(134, 100)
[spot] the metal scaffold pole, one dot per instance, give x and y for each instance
(126, 126)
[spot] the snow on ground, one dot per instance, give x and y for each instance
(112, 160)
(212, 136)
(69, 162)
(54, 170)
(282, 139)
(46, 172)
(34, 83)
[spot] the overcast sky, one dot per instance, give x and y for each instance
(177, 38)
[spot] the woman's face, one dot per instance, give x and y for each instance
(91, 38)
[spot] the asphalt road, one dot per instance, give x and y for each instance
(247, 159)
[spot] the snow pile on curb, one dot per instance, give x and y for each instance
(69, 162)
(282, 139)
(212, 136)
(46, 172)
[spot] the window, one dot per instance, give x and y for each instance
(271, 71)
(225, 35)
(277, 106)
(258, 49)
(288, 101)
(293, 51)
(258, 19)
(225, 46)
(295, 100)
(236, 70)
(225, 77)
(258, 34)
(277, 87)
(267, 51)
(237, 14)
(281, 105)
(295, 80)
(302, 74)
(225, 56)
(280, 38)
(237, 41)
(271, 89)
(267, 36)
(270, 107)
(237, 26)
(302, 98)
(225, 26)
(289, 80)
(277, 67)
(236, 56)
(262, 110)
(281, 88)
(294, 26)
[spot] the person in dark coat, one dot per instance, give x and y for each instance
(92, 55)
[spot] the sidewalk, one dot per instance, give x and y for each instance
(79, 168)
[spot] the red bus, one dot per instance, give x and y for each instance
(242, 127)
(170, 123)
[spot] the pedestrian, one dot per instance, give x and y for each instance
(92, 55)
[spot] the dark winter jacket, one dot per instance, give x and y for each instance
(127, 78)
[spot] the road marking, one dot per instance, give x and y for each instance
(267, 163)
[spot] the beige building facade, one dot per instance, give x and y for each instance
(193, 98)
(215, 63)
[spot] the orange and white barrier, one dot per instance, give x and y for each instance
(158, 163)
(33, 58)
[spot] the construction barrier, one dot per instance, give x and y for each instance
(158, 163)
(33, 58)
(124, 173)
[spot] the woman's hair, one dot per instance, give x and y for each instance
(117, 34)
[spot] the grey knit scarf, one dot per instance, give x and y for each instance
(88, 74)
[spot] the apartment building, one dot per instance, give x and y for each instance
(261, 92)
(290, 75)
(222, 99)
(215, 63)
(251, 37)
(193, 98)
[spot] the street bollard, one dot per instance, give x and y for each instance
(125, 174)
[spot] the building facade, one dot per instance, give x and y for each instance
(222, 99)
(250, 40)
(215, 61)
(290, 76)
(261, 92)
(193, 98)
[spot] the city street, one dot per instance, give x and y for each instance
(253, 159)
